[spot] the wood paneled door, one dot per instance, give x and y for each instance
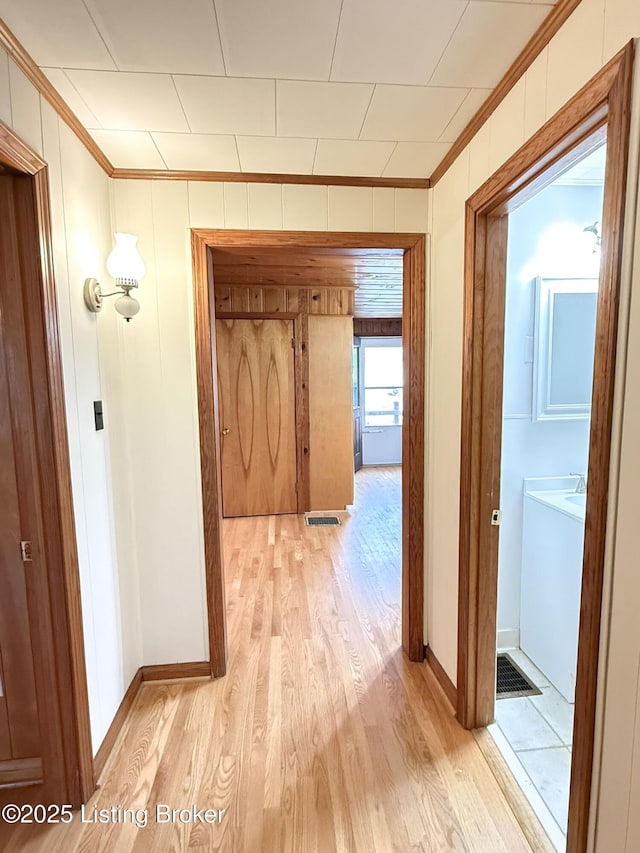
(257, 416)
(19, 726)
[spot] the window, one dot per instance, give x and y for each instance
(383, 379)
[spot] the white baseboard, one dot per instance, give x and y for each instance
(509, 638)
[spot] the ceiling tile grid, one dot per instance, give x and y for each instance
(339, 87)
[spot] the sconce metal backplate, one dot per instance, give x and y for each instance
(92, 294)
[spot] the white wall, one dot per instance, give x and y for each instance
(158, 349)
(593, 34)
(533, 448)
(81, 239)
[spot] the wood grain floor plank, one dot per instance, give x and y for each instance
(322, 738)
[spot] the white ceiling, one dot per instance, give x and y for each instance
(341, 87)
(587, 172)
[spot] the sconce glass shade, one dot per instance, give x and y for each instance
(127, 306)
(124, 263)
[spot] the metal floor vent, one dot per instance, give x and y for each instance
(321, 520)
(511, 680)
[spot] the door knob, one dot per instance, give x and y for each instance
(226, 431)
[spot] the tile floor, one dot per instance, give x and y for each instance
(538, 731)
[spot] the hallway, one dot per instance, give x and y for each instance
(321, 736)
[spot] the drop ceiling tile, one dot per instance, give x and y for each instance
(159, 35)
(198, 151)
(468, 108)
(399, 42)
(276, 154)
(291, 39)
(57, 33)
(415, 159)
(326, 110)
(352, 157)
(65, 87)
(486, 41)
(129, 149)
(411, 113)
(228, 104)
(125, 101)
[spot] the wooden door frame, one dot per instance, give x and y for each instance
(358, 346)
(203, 241)
(57, 634)
(602, 107)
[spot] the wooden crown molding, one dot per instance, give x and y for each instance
(26, 63)
(269, 178)
(534, 47)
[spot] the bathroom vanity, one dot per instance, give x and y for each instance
(552, 551)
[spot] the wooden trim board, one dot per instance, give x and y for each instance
(527, 56)
(448, 687)
(604, 102)
(377, 327)
(117, 724)
(20, 771)
(171, 671)
(155, 672)
(269, 178)
(531, 827)
(414, 247)
(28, 66)
(67, 751)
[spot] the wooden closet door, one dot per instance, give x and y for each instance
(19, 726)
(257, 416)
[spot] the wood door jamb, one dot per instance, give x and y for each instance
(74, 775)
(605, 100)
(203, 241)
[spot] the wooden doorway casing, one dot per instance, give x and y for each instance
(600, 110)
(203, 241)
(53, 584)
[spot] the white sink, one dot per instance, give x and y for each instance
(577, 499)
(567, 501)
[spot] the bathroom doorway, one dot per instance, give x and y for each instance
(553, 268)
(598, 113)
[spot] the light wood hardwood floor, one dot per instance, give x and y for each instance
(322, 737)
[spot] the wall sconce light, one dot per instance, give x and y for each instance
(125, 265)
(594, 233)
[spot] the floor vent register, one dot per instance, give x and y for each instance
(511, 680)
(321, 520)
